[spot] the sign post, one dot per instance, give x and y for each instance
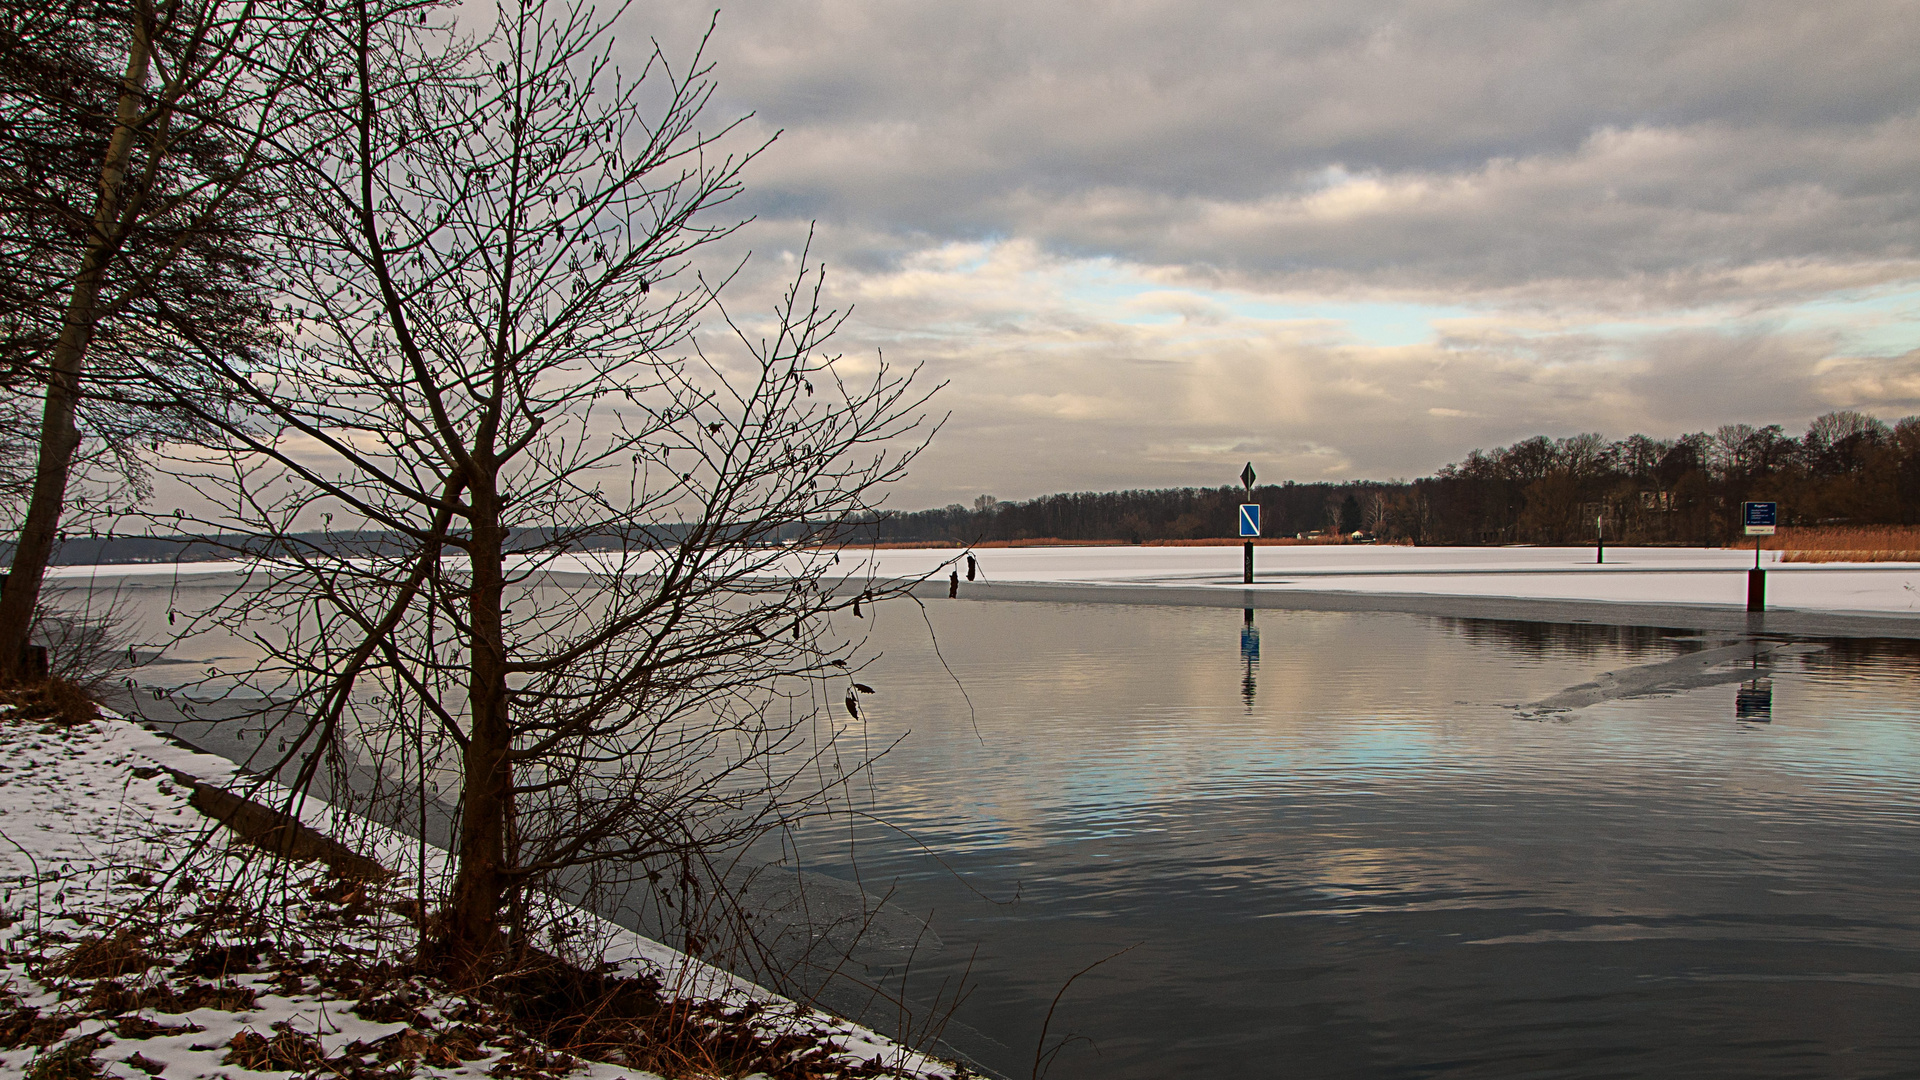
(1761, 519)
(1249, 521)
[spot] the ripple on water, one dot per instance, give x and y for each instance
(1372, 866)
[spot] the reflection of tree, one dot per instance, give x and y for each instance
(1850, 656)
(1581, 640)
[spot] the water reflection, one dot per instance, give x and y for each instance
(1367, 867)
(1754, 701)
(1250, 656)
(1568, 639)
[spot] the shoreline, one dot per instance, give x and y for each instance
(97, 797)
(1649, 587)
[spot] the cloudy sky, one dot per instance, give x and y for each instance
(1147, 241)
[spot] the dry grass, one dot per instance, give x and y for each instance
(1877, 555)
(177, 951)
(1842, 543)
(538, 1020)
(62, 701)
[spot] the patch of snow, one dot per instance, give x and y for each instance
(94, 818)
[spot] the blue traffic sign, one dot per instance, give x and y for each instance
(1761, 517)
(1249, 519)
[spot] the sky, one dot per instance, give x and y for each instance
(1145, 242)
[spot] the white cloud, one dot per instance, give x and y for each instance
(1141, 240)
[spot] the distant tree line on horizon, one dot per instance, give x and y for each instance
(1848, 468)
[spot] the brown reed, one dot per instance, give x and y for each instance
(1841, 543)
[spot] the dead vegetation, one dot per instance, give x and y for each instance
(58, 700)
(136, 981)
(271, 929)
(1842, 543)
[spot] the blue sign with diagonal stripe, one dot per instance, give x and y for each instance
(1249, 519)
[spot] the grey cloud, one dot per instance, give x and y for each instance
(1549, 164)
(1002, 118)
(1090, 414)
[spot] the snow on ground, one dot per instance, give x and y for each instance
(99, 836)
(1693, 576)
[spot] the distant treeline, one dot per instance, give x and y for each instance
(1847, 468)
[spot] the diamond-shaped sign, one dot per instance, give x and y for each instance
(1246, 476)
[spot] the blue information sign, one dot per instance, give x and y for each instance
(1249, 519)
(1761, 518)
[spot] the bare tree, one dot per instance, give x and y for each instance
(123, 168)
(604, 553)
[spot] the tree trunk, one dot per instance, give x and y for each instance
(473, 923)
(59, 434)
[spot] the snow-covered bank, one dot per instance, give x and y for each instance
(97, 822)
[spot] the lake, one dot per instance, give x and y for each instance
(1352, 855)
(1366, 844)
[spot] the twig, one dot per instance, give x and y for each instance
(1046, 1058)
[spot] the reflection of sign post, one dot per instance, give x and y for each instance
(1249, 521)
(1754, 701)
(1761, 518)
(1250, 654)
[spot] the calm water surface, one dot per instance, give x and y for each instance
(1332, 846)
(1351, 857)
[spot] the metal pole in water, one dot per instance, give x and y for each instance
(1761, 518)
(1249, 522)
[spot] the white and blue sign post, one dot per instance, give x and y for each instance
(1762, 519)
(1249, 523)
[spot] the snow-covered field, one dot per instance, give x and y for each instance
(1631, 575)
(1712, 577)
(124, 954)
(1708, 577)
